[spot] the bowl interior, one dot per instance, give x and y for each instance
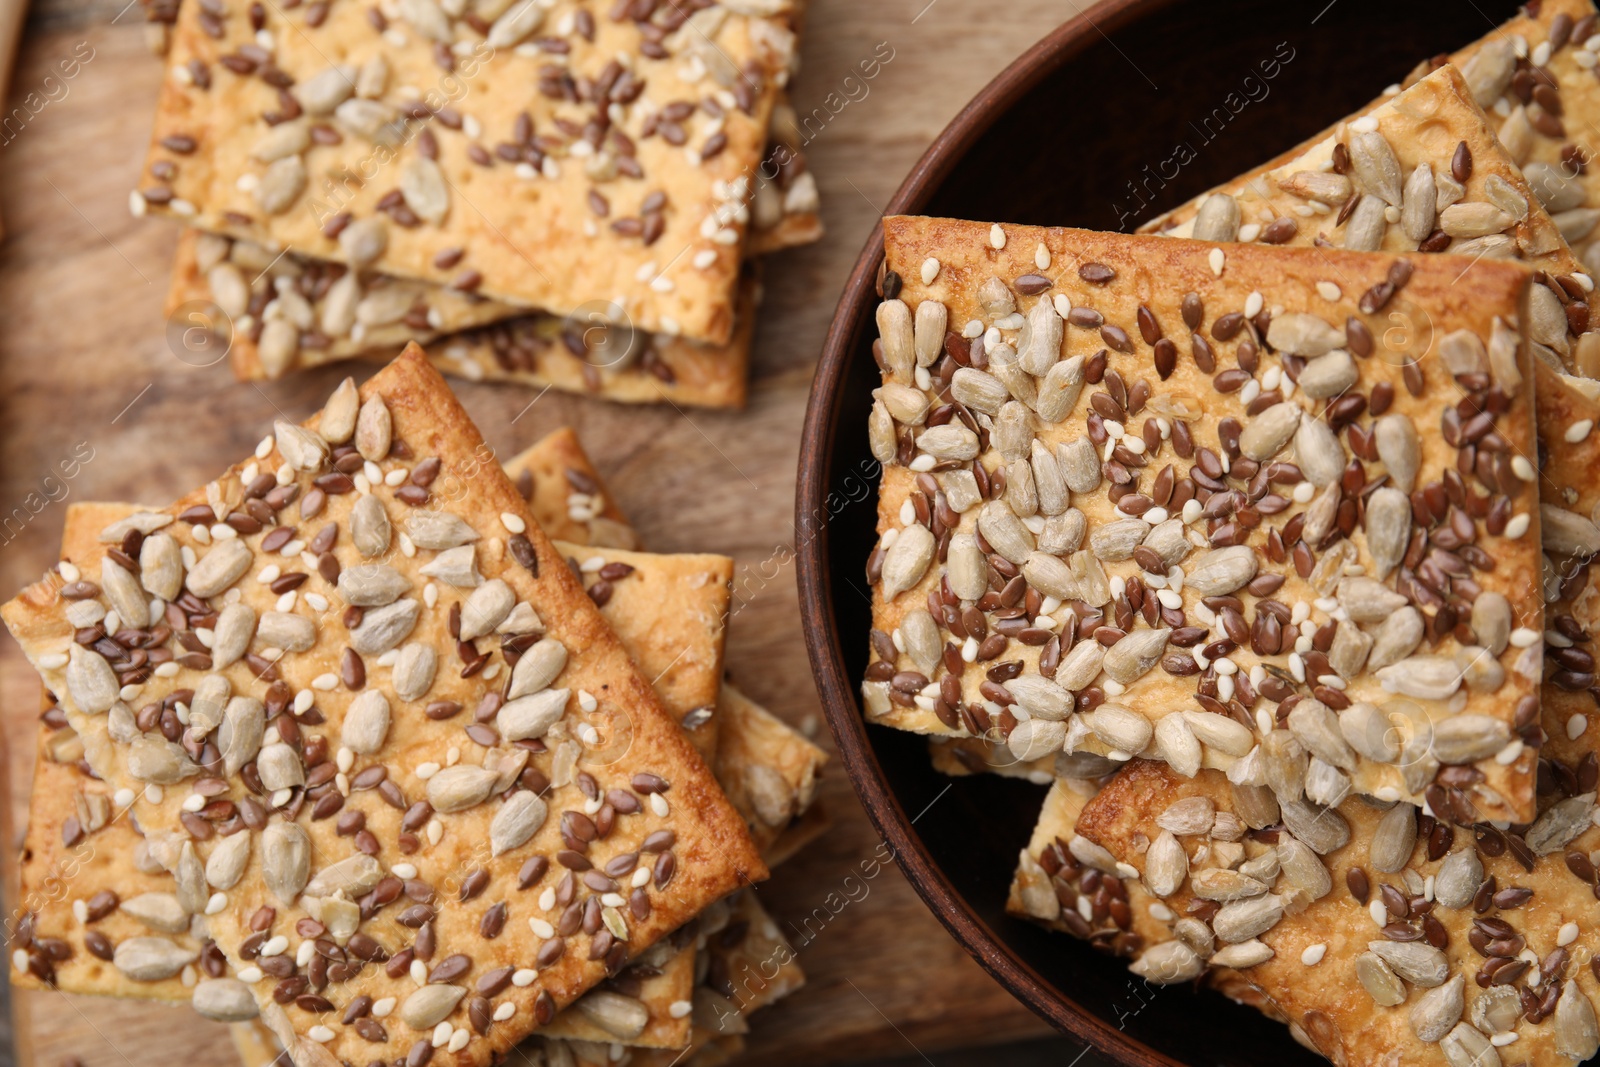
(1103, 125)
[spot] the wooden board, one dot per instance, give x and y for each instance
(84, 362)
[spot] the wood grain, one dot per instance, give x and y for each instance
(84, 359)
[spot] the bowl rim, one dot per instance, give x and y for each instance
(834, 684)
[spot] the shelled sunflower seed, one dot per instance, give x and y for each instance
(326, 900)
(1211, 498)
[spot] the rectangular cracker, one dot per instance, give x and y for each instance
(649, 611)
(469, 336)
(60, 855)
(1058, 861)
(537, 220)
(537, 351)
(1550, 43)
(1150, 278)
(566, 495)
(338, 319)
(768, 769)
(713, 850)
(1435, 123)
(75, 850)
(675, 609)
(1331, 190)
(751, 751)
(1332, 910)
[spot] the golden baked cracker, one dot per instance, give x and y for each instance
(1548, 47)
(496, 174)
(1436, 131)
(1048, 888)
(805, 828)
(1569, 491)
(220, 296)
(564, 490)
(1378, 933)
(464, 501)
(630, 368)
(378, 313)
(1433, 151)
(566, 495)
(675, 609)
(768, 769)
(79, 856)
(1248, 574)
(785, 208)
(337, 314)
(750, 965)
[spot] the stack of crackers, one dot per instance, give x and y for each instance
(560, 194)
(1267, 539)
(388, 754)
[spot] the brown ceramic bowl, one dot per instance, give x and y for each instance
(1085, 129)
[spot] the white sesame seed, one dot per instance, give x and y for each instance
(1329, 291)
(1379, 913)
(1253, 304)
(1218, 261)
(1517, 526)
(1502, 1040)
(1313, 954)
(541, 928)
(1041, 258)
(679, 1009)
(122, 798)
(427, 770)
(1249, 232)
(1578, 430)
(275, 946)
(303, 955)
(930, 270)
(1508, 755)
(1523, 469)
(325, 682)
(1576, 726)
(1567, 934)
(443, 1033)
(381, 1008)
(153, 794)
(1303, 492)
(251, 975)
(505, 1011)
(997, 236)
(53, 661)
(658, 804)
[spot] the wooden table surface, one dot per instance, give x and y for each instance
(84, 362)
